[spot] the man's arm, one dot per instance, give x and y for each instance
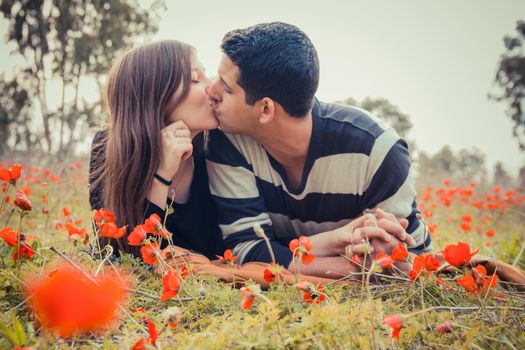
(391, 188)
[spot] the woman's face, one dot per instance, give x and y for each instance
(196, 110)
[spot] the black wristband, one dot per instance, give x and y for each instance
(163, 180)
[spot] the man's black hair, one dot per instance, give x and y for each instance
(276, 60)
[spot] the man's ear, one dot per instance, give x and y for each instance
(267, 111)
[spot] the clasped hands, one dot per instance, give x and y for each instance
(368, 234)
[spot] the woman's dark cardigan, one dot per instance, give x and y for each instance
(193, 224)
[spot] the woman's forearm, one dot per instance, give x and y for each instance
(158, 193)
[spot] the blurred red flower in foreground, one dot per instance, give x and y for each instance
(458, 255)
(395, 322)
(66, 302)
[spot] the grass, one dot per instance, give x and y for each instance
(350, 317)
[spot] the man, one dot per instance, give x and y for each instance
(297, 166)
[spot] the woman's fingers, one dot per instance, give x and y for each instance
(186, 150)
(178, 125)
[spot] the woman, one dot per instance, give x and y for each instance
(151, 153)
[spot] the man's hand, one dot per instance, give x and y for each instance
(390, 224)
(356, 233)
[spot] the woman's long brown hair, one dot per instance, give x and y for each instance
(139, 98)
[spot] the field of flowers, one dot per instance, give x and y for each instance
(61, 290)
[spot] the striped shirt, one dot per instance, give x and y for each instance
(355, 163)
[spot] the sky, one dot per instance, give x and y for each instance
(435, 60)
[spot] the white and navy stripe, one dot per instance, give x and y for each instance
(355, 163)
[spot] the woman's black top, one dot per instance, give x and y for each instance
(193, 224)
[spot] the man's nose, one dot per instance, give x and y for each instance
(211, 90)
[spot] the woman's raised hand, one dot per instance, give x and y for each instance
(176, 147)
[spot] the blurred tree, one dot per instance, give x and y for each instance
(70, 40)
(463, 166)
(510, 77)
(15, 107)
(501, 176)
(521, 179)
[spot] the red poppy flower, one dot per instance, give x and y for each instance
(103, 216)
(302, 247)
(468, 283)
(150, 253)
(444, 328)
(466, 218)
(395, 322)
(490, 233)
(315, 296)
(356, 260)
(399, 253)
(228, 257)
(10, 236)
(466, 226)
(12, 174)
(67, 302)
(110, 230)
(248, 297)
(303, 285)
(171, 284)
(152, 340)
(23, 251)
(458, 255)
(136, 237)
(431, 263)
(22, 201)
(479, 272)
(273, 272)
(66, 212)
(154, 226)
(490, 282)
(74, 232)
(384, 260)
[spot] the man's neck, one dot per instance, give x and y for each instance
(287, 139)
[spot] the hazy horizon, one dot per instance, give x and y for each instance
(435, 60)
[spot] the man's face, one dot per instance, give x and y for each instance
(230, 107)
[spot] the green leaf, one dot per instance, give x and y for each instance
(19, 332)
(8, 334)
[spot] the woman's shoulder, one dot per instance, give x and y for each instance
(100, 137)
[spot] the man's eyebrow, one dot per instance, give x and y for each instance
(227, 86)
